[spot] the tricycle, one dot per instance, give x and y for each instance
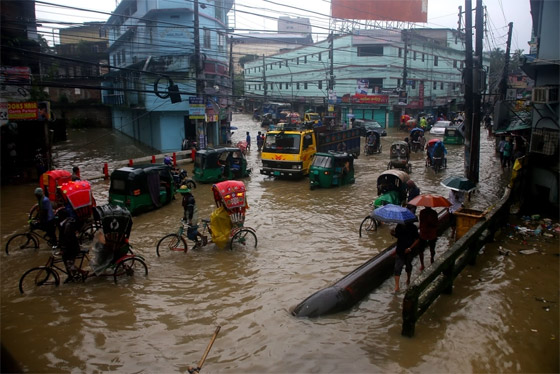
(331, 169)
(218, 164)
(400, 156)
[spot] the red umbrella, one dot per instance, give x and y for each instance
(430, 200)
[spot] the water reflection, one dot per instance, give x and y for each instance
(307, 240)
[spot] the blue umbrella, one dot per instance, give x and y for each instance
(392, 213)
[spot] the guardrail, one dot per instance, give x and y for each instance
(438, 279)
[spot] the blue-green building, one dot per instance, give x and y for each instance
(368, 68)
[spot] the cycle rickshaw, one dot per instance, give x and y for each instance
(226, 223)
(400, 156)
(112, 255)
(391, 189)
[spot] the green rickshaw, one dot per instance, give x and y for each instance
(331, 169)
(141, 188)
(219, 164)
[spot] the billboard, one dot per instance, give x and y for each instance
(381, 10)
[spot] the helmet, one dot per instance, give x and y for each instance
(184, 190)
(167, 160)
(39, 192)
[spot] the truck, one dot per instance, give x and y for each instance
(311, 117)
(275, 111)
(288, 152)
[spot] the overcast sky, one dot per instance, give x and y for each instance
(262, 14)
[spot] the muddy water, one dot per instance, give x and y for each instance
(495, 320)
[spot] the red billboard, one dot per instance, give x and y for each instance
(381, 10)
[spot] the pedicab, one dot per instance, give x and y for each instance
(391, 189)
(435, 155)
(49, 183)
(141, 188)
(79, 204)
(416, 139)
(399, 156)
(218, 164)
(331, 169)
(373, 142)
(227, 220)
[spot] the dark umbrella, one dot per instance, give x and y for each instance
(392, 213)
(458, 184)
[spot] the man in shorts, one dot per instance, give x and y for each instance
(407, 239)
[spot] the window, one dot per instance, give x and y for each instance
(398, 82)
(305, 85)
(287, 85)
(414, 56)
(207, 38)
(441, 85)
(400, 52)
(435, 85)
(297, 60)
(435, 60)
(286, 63)
(423, 55)
(319, 56)
(221, 42)
(305, 59)
(454, 63)
(370, 50)
(320, 85)
(297, 85)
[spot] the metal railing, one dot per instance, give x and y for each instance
(438, 279)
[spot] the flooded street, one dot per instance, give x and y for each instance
(495, 320)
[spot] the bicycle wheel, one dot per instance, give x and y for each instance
(171, 243)
(34, 213)
(21, 241)
(129, 267)
(88, 232)
(37, 277)
(244, 238)
(368, 225)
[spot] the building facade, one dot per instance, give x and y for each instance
(367, 73)
(152, 83)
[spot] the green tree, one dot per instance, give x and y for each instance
(247, 58)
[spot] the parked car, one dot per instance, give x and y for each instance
(439, 127)
(366, 125)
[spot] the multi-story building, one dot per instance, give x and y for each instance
(543, 178)
(367, 73)
(152, 85)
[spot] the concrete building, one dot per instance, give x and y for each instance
(299, 25)
(543, 176)
(367, 72)
(152, 83)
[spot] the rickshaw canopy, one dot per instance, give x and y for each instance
(78, 194)
(230, 194)
(391, 180)
(51, 179)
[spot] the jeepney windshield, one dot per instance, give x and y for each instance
(282, 143)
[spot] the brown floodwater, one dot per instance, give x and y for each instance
(502, 316)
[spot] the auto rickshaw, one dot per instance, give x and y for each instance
(141, 188)
(452, 135)
(399, 156)
(218, 164)
(331, 169)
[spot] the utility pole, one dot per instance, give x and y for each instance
(197, 68)
(503, 81)
(231, 73)
(468, 81)
(405, 70)
(264, 80)
(331, 57)
(473, 169)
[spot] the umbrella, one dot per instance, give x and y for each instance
(430, 200)
(458, 184)
(431, 142)
(394, 213)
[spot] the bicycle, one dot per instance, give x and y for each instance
(177, 242)
(369, 224)
(48, 275)
(31, 239)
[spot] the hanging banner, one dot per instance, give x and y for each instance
(197, 109)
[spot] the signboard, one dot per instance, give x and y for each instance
(381, 10)
(26, 111)
(403, 98)
(511, 94)
(366, 99)
(197, 109)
